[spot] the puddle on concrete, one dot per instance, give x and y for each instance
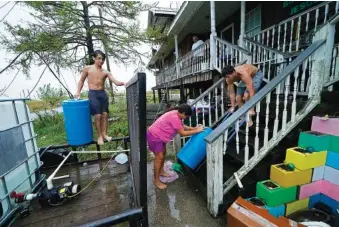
(180, 205)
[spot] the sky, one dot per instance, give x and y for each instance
(21, 83)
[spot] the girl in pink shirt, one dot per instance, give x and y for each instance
(162, 131)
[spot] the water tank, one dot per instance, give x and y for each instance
(78, 122)
(17, 144)
(194, 151)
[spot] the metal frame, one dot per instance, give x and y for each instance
(135, 215)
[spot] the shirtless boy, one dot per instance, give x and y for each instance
(97, 95)
(250, 78)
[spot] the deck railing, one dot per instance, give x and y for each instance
(291, 116)
(195, 61)
(166, 76)
(295, 33)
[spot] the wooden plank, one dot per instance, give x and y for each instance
(215, 176)
(108, 195)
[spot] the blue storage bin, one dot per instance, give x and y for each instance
(194, 150)
(78, 123)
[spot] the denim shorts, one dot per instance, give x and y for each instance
(257, 80)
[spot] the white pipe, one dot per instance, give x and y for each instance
(50, 178)
(242, 23)
(95, 152)
(61, 177)
(238, 180)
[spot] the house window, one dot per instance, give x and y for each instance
(253, 22)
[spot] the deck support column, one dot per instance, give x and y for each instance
(176, 55)
(213, 36)
(182, 92)
(242, 23)
(159, 95)
(154, 101)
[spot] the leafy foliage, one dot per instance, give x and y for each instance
(50, 94)
(65, 33)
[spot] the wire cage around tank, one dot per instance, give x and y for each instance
(20, 161)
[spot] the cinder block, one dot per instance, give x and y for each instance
(332, 159)
(286, 178)
(311, 189)
(275, 195)
(330, 190)
(330, 202)
(296, 205)
(318, 173)
(314, 199)
(318, 141)
(303, 160)
(276, 211)
(325, 125)
(331, 175)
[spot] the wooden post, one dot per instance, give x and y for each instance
(154, 101)
(242, 24)
(107, 60)
(212, 36)
(321, 66)
(176, 55)
(215, 192)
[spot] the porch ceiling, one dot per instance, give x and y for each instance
(200, 22)
(194, 17)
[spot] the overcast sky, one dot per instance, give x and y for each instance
(18, 14)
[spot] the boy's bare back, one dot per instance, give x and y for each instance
(245, 70)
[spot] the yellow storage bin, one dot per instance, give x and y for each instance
(303, 160)
(296, 205)
(285, 177)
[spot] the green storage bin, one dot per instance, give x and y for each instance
(318, 141)
(275, 195)
(334, 144)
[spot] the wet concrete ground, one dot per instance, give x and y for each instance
(180, 205)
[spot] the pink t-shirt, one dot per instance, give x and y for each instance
(167, 126)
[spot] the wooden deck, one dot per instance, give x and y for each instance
(108, 195)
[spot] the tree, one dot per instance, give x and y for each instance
(65, 34)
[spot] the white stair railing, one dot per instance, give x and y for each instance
(270, 61)
(287, 114)
(229, 54)
(296, 32)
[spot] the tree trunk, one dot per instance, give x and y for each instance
(89, 40)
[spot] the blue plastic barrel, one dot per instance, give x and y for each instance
(194, 151)
(78, 122)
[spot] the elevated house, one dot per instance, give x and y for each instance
(295, 45)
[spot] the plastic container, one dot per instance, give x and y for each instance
(17, 144)
(78, 122)
(194, 151)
